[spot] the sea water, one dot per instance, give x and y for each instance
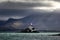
(28, 36)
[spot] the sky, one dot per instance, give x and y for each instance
(26, 7)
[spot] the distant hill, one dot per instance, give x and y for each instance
(47, 21)
(2, 22)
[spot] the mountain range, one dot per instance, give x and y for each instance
(41, 21)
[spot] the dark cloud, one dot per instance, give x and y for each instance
(16, 13)
(57, 0)
(6, 13)
(19, 5)
(19, 9)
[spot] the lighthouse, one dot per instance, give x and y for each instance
(30, 26)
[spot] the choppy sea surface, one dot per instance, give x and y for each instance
(28, 36)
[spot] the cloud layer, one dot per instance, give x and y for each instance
(26, 7)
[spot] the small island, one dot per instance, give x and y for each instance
(30, 29)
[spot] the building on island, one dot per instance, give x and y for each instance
(30, 29)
